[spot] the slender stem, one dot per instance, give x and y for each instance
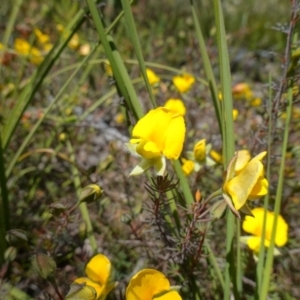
(270, 254)
(83, 207)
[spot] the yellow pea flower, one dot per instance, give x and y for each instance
(158, 135)
(183, 82)
(176, 106)
(249, 183)
(235, 114)
(150, 284)
(24, 48)
(199, 156)
(254, 226)
(242, 90)
(95, 286)
(152, 77)
(42, 37)
(200, 150)
(256, 102)
(74, 41)
(188, 166)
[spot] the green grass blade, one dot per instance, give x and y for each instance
(37, 79)
(261, 256)
(83, 206)
(137, 46)
(4, 207)
(207, 66)
(10, 25)
(228, 146)
(263, 293)
(120, 73)
(46, 112)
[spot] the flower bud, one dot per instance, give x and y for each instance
(43, 264)
(200, 150)
(90, 193)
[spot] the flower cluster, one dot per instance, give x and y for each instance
(145, 285)
(96, 284)
(199, 157)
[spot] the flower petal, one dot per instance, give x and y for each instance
(153, 125)
(176, 106)
(240, 187)
(87, 293)
(98, 269)
(242, 159)
(174, 138)
(146, 284)
(148, 149)
(172, 295)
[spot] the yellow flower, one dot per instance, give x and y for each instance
(255, 102)
(235, 114)
(183, 82)
(152, 77)
(95, 285)
(199, 156)
(150, 284)
(200, 150)
(249, 183)
(158, 135)
(42, 37)
(254, 226)
(176, 106)
(24, 48)
(242, 90)
(107, 68)
(74, 41)
(216, 156)
(187, 166)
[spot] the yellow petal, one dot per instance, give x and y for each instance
(174, 138)
(153, 125)
(152, 77)
(183, 82)
(260, 189)
(173, 295)
(240, 187)
(98, 269)
(200, 150)
(148, 149)
(146, 284)
(176, 106)
(243, 158)
(187, 166)
(87, 292)
(254, 225)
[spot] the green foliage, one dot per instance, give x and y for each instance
(64, 122)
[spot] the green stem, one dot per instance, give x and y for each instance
(270, 256)
(83, 207)
(260, 264)
(228, 143)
